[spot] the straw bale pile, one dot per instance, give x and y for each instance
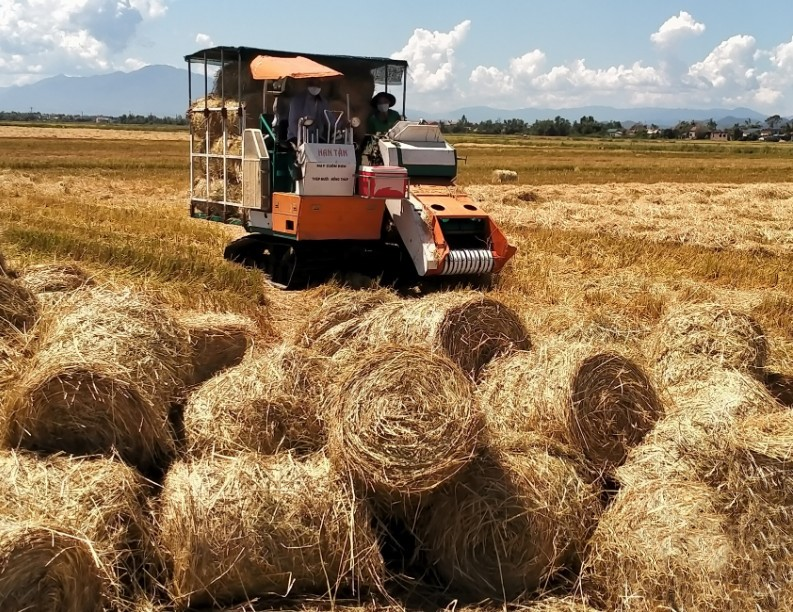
(508, 524)
(54, 278)
(234, 78)
(584, 395)
(210, 125)
(324, 329)
(467, 327)
(663, 545)
(97, 503)
(19, 309)
(217, 341)
(47, 569)
(256, 526)
(727, 337)
(271, 401)
(402, 422)
(108, 367)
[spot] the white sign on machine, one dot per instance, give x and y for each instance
(328, 169)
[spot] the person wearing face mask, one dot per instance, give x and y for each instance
(384, 117)
(312, 104)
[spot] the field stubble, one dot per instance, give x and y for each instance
(650, 224)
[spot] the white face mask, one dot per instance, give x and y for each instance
(314, 91)
(383, 108)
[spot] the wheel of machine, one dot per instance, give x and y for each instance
(247, 251)
(286, 271)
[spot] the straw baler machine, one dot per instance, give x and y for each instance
(316, 206)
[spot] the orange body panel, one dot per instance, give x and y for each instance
(328, 217)
(450, 201)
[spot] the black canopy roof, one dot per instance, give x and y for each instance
(246, 54)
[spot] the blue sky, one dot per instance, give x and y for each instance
(692, 53)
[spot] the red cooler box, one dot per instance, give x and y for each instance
(383, 182)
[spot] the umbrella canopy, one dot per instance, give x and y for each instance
(272, 68)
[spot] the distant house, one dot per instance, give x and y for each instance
(698, 131)
(720, 135)
(104, 120)
(614, 133)
(653, 132)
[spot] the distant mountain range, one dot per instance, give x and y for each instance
(162, 91)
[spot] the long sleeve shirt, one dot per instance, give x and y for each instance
(306, 105)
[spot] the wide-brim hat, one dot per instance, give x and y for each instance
(391, 98)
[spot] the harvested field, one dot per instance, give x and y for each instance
(673, 256)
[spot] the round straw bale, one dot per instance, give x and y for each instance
(109, 365)
(19, 309)
(662, 545)
(507, 525)
(728, 337)
(319, 331)
(467, 327)
(257, 526)
(590, 397)
(403, 421)
(689, 442)
(504, 176)
(46, 569)
(757, 491)
(99, 501)
(269, 402)
(45, 278)
(217, 341)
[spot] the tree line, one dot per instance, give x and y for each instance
(126, 119)
(589, 126)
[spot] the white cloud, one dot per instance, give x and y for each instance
(431, 57)
(71, 36)
(782, 59)
(205, 40)
(676, 29)
(730, 64)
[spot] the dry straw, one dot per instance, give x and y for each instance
(403, 421)
(508, 524)
(269, 527)
(727, 337)
(690, 442)
(19, 309)
(47, 569)
(467, 327)
(757, 491)
(663, 545)
(48, 278)
(271, 401)
(102, 380)
(324, 328)
(100, 503)
(217, 341)
(590, 397)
